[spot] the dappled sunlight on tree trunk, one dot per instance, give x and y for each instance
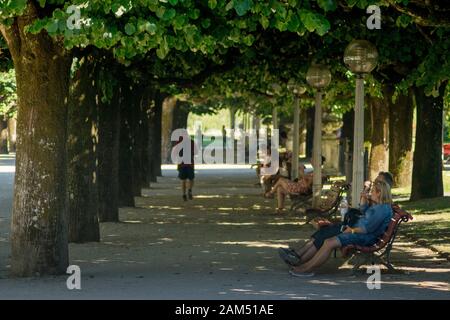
(427, 169)
(400, 136)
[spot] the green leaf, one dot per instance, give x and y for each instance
(160, 12)
(229, 6)
(403, 21)
(173, 2)
(309, 20)
(169, 14)
(327, 5)
(194, 14)
(242, 6)
(248, 40)
(264, 22)
(323, 28)
(293, 23)
(147, 26)
(206, 23)
(315, 22)
(37, 26)
(179, 22)
(130, 29)
(163, 49)
(351, 3)
(212, 4)
(52, 26)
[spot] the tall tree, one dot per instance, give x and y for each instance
(427, 170)
(39, 223)
(400, 136)
(379, 137)
(108, 145)
(82, 144)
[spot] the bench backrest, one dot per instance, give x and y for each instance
(333, 196)
(388, 237)
(399, 216)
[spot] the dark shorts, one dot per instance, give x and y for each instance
(326, 233)
(186, 172)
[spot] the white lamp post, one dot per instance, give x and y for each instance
(298, 91)
(318, 77)
(360, 57)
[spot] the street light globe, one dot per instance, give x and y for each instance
(295, 88)
(318, 76)
(360, 56)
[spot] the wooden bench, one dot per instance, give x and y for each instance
(380, 252)
(299, 200)
(330, 204)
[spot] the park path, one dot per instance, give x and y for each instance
(221, 245)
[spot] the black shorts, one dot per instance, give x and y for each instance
(326, 233)
(186, 172)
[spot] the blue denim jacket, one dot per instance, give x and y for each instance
(375, 220)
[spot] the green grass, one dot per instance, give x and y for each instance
(431, 224)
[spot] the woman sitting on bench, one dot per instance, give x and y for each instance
(284, 187)
(365, 232)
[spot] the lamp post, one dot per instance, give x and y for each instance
(360, 57)
(298, 91)
(318, 77)
(275, 118)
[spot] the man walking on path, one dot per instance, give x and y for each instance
(186, 171)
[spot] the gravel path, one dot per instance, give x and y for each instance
(221, 245)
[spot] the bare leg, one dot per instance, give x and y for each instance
(308, 255)
(304, 248)
(280, 198)
(320, 257)
(281, 183)
(190, 184)
(307, 251)
(183, 186)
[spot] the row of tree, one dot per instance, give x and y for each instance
(91, 82)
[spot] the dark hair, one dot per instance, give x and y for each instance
(387, 176)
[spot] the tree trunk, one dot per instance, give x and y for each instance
(174, 116)
(3, 136)
(126, 183)
(145, 154)
(347, 142)
(167, 126)
(39, 224)
(137, 139)
(155, 135)
(427, 169)
(379, 160)
(82, 154)
(310, 114)
(400, 137)
(12, 135)
(181, 114)
(108, 158)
